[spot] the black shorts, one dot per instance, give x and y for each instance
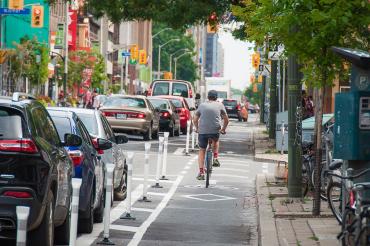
(203, 139)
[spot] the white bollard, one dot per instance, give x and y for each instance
(193, 139)
(109, 170)
(282, 128)
(187, 137)
(76, 184)
(146, 173)
(165, 149)
(130, 158)
(22, 219)
(159, 163)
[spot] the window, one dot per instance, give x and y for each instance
(107, 129)
(180, 89)
(161, 88)
(125, 102)
(90, 123)
(63, 126)
(44, 126)
(84, 133)
(177, 103)
(232, 103)
(159, 103)
(11, 124)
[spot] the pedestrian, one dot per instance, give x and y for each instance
(309, 108)
(95, 99)
(244, 112)
(87, 99)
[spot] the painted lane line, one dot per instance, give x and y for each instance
(233, 169)
(229, 176)
(212, 182)
(187, 167)
(124, 228)
(183, 172)
(157, 193)
(233, 164)
(116, 212)
(143, 228)
(149, 210)
(153, 180)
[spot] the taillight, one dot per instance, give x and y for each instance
(77, 157)
(19, 145)
(165, 114)
(141, 116)
(109, 114)
(17, 194)
(96, 146)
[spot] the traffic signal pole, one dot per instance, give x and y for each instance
(273, 101)
(263, 99)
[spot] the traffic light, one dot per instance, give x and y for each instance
(256, 60)
(142, 57)
(134, 52)
(212, 29)
(212, 26)
(37, 18)
(255, 89)
(16, 4)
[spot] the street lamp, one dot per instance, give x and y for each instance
(159, 55)
(186, 49)
(53, 54)
(177, 58)
(151, 53)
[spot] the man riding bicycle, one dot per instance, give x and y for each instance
(207, 123)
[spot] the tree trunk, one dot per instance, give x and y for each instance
(318, 97)
(273, 101)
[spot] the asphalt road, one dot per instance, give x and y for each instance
(184, 212)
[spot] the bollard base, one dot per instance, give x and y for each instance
(144, 199)
(187, 154)
(106, 241)
(127, 217)
(157, 186)
(163, 178)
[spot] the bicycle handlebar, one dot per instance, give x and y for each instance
(347, 177)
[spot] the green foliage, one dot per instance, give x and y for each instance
(253, 97)
(98, 75)
(318, 25)
(186, 67)
(175, 13)
(29, 59)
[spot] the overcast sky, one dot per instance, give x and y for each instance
(238, 64)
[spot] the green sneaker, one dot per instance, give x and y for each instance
(216, 163)
(200, 176)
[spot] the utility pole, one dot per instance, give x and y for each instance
(263, 99)
(273, 101)
(294, 131)
(65, 75)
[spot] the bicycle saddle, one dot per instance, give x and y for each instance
(335, 164)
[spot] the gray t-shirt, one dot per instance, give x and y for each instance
(210, 114)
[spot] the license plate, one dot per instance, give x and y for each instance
(121, 116)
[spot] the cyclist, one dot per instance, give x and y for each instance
(207, 122)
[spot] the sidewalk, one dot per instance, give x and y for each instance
(284, 221)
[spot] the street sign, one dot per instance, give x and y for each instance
(6, 11)
(125, 53)
(59, 37)
(276, 53)
(261, 67)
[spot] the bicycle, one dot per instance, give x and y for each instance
(208, 161)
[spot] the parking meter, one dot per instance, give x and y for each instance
(352, 114)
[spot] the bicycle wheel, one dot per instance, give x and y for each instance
(324, 184)
(335, 199)
(208, 166)
(305, 185)
(348, 228)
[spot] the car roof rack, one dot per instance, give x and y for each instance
(17, 96)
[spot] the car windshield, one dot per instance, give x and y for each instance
(229, 103)
(160, 103)
(177, 103)
(161, 88)
(180, 89)
(63, 125)
(11, 124)
(89, 121)
(125, 102)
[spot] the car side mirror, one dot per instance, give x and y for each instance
(197, 96)
(104, 144)
(121, 139)
(72, 140)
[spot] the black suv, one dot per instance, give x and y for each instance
(232, 108)
(35, 171)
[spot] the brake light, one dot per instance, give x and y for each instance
(77, 157)
(96, 146)
(165, 114)
(109, 114)
(17, 194)
(141, 116)
(19, 145)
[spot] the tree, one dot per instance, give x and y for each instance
(186, 67)
(253, 97)
(174, 13)
(309, 29)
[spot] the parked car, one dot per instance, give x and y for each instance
(183, 110)
(35, 171)
(132, 114)
(98, 127)
(169, 118)
(87, 166)
(180, 88)
(232, 108)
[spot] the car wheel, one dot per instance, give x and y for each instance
(44, 234)
(99, 211)
(86, 225)
(120, 194)
(148, 135)
(62, 231)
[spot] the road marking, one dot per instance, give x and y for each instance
(157, 194)
(233, 169)
(149, 210)
(143, 228)
(187, 167)
(212, 182)
(153, 180)
(179, 151)
(214, 199)
(184, 172)
(124, 228)
(229, 175)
